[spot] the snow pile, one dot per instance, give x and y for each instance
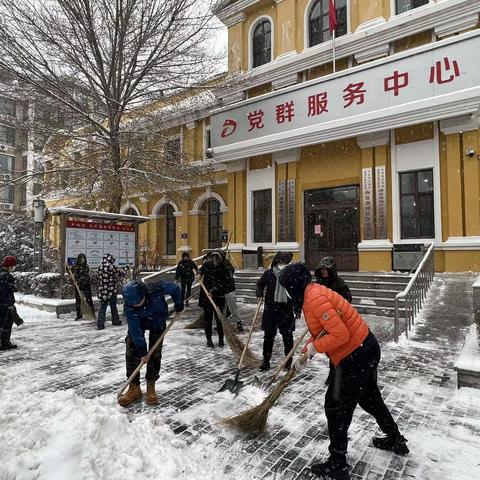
(470, 357)
(61, 436)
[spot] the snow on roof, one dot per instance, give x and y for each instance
(92, 214)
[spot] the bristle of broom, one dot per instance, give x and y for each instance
(86, 309)
(199, 322)
(255, 419)
(237, 346)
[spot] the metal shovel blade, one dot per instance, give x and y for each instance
(232, 385)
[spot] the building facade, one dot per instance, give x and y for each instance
(357, 158)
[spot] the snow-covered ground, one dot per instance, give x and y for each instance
(59, 417)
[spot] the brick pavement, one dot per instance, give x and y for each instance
(417, 381)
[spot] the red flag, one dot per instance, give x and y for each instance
(332, 16)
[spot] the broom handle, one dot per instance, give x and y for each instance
(147, 357)
(250, 333)
(73, 279)
(215, 307)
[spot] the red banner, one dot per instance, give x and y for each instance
(100, 226)
(332, 15)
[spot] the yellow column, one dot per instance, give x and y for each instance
(471, 185)
(241, 207)
(231, 202)
(189, 142)
(182, 227)
(236, 55)
(454, 186)
(286, 26)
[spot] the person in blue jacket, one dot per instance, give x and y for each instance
(146, 309)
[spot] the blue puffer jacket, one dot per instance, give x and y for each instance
(152, 315)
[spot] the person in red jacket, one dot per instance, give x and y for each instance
(355, 354)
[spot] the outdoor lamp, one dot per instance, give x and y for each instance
(38, 210)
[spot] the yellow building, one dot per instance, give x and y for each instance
(355, 159)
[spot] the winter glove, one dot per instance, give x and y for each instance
(300, 363)
(179, 308)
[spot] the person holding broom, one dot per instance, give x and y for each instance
(146, 309)
(7, 302)
(277, 312)
(355, 354)
(185, 273)
(81, 274)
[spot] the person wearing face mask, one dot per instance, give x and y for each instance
(7, 302)
(327, 275)
(278, 311)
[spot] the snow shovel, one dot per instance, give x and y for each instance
(147, 357)
(84, 306)
(235, 385)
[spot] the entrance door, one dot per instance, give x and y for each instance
(332, 226)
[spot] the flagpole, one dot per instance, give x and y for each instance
(333, 50)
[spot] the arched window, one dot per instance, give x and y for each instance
(214, 223)
(131, 211)
(318, 21)
(262, 43)
(170, 229)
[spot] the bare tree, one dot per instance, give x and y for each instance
(106, 75)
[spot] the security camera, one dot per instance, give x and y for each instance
(470, 152)
(209, 152)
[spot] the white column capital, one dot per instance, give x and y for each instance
(376, 139)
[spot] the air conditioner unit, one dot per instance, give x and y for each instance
(6, 206)
(406, 257)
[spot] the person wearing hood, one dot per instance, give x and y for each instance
(213, 275)
(108, 275)
(81, 273)
(7, 302)
(355, 354)
(146, 309)
(326, 275)
(277, 312)
(185, 272)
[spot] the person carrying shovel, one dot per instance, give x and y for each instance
(146, 309)
(355, 354)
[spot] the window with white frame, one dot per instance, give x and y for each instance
(262, 216)
(319, 24)
(417, 217)
(7, 191)
(7, 135)
(261, 43)
(402, 6)
(170, 229)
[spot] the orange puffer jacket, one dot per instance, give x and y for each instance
(325, 310)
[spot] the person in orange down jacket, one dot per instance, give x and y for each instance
(354, 353)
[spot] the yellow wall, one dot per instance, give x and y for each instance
(375, 261)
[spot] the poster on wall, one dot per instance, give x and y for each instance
(97, 239)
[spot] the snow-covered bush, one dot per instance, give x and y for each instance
(17, 238)
(24, 281)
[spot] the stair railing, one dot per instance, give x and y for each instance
(415, 292)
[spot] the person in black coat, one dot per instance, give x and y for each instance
(278, 310)
(185, 272)
(7, 302)
(81, 273)
(326, 274)
(213, 274)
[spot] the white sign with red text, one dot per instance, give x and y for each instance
(97, 239)
(400, 80)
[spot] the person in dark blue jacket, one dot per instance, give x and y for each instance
(146, 309)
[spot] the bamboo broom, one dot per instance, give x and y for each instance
(199, 322)
(255, 419)
(234, 342)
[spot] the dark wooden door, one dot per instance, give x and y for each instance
(332, 226)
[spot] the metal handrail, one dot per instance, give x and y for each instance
(415, 292)
(166, 270)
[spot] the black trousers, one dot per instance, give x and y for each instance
(354, 381)
(133, 360)
(186, 288)
(269, 339)
(6, 322)
(209, 313)
(87, 291)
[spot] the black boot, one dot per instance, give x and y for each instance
(265, 364)
(7, 346)
(396, 445)
(240, 326)
(331, 469)
(220, 342)
(210, 343)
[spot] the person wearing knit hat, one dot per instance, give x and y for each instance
(7, 302)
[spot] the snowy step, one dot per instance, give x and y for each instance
(374, 301)
(375, 310)
(361, 284)
(373, 292)
(375, 277)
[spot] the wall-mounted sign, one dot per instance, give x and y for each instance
(291, 237)
(367, 200)
(380, 202)
(97, 239)
(407, 80)
(282, 210)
